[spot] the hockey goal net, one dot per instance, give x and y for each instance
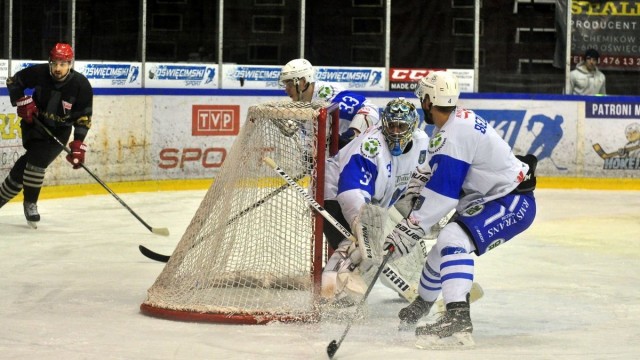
(253, 252)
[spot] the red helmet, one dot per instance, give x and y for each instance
(61, 52)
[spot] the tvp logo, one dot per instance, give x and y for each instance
(215, 120)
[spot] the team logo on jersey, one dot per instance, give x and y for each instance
(66, 105)
(473, 211)
(422, 157)
(494, 244)
(370, 148)
(437, 142)
(325, 92)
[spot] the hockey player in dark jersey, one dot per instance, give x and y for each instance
(62, 102)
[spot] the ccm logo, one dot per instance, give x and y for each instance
(408, 74)
(215, 120)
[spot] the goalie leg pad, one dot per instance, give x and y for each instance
(394, 280)
(351, 285)
(340, 277)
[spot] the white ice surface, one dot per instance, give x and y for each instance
(569, 288)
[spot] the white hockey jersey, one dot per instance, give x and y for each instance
(350, 104)
(364, 171)
(470, 163)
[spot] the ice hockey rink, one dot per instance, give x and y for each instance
(569, 288)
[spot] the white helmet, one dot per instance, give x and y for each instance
(297, 69)
(442, 88)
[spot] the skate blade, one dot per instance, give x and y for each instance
(32, 224)
(460, 341)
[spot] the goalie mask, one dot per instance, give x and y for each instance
(399, 120)
(60, 54)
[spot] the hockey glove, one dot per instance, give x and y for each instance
(346, 137)
(76, 158)
(403, 238)
(419, 179)
(361, 121)
(27, 109)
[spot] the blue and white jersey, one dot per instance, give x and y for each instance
(470, 163)
(350, 104)
(364, 171)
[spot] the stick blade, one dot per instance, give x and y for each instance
(153, 255)
(332, 348)
(160, 231)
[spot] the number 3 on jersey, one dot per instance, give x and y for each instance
(366, 177)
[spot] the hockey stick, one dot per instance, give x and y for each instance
(157, 231)
(165, 258)
(309, 199)
(334, 345)
(153, 255)
(603, 154)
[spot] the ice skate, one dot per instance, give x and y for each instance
(410, 315)
(31, 214)
(452, 330)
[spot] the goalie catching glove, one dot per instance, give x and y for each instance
(418, 181)
(76, 157)
(403, 238)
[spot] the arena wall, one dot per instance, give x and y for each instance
(164, 134)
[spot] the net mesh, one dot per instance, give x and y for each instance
(250, 251)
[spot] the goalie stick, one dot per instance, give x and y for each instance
(157, 231)
(334, 345)
(605, 155)
(475, 294)
(165, 258)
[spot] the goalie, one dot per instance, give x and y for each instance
(374, 168)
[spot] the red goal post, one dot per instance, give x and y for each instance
(254, 251)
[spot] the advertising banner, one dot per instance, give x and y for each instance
(401, 79)
(17, 65)
(111, 74)
(10, 137)
(250, 76)
(4, 71)
(198, 76)
(266, 77)
(612, 28)
(612, 138)
(192, 136)
(547, 129)
(181, 137)
(353, 78)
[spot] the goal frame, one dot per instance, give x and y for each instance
(319, 254)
